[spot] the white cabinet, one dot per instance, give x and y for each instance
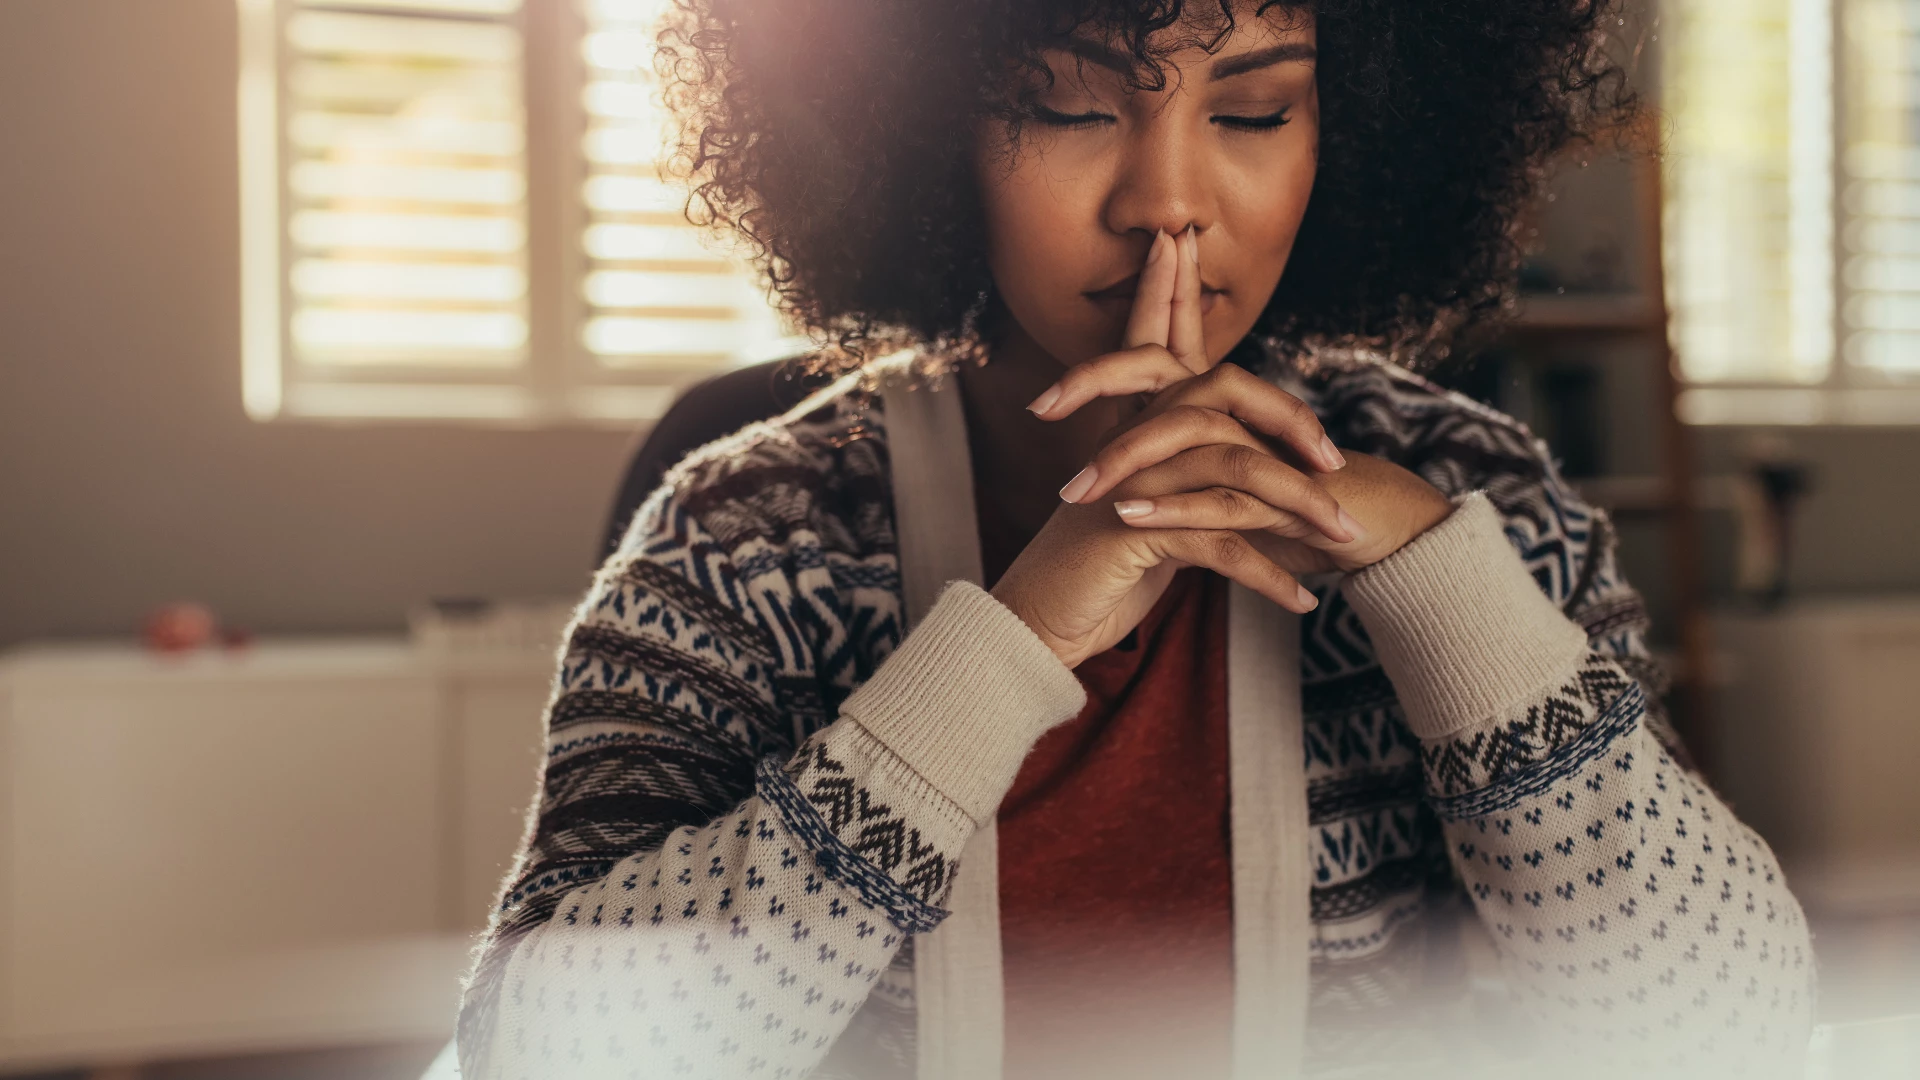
(1818, 730)
(494, 755)
(286, 847)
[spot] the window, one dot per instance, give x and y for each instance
(1793, 211)
(453, 209)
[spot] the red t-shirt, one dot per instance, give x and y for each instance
(1116, 890)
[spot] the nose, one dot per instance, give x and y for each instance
(1160, 181)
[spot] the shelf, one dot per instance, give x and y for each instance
(1626, 496)
(1593, 313)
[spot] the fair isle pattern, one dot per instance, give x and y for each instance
(753, 592)
(867, 825)
(1644, 915)
(1355, 729)
(836, 861)
(1536, 731)
(1536, 753)
(758, 587)
(718, 955)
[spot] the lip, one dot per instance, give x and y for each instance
(1119, 295)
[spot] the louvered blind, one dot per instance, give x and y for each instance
(388, 236)
(659, 294)
(1793, 216)
(1747, 87)
(405, 161)
(1881, 185)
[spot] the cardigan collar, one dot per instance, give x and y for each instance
(957, 967)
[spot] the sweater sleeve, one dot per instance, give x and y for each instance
(695, 900)
(1640, 924)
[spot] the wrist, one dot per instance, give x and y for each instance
(962, 699)
(1009, 596)
(1460, 625)
(1419, 507)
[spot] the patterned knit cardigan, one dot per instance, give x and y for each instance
(743, 821)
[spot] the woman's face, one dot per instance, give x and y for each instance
(1228, 147)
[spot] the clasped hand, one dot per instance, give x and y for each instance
(1218, 468)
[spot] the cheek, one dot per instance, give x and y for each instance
(1039, 232)
(1008, 202)
(1034, 213)
(1271, 202)
(1017, 236)
(1264, 207)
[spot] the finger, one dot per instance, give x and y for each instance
(1217, 508)
(1157, 438)
(1242, 468)
(1230, 555)
(1143, 369)
(1237, 392)
(1147, 324)
(1185, 335)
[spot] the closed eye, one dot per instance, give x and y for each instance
(1254, 123)
(1055, 119)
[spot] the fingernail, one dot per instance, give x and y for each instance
(1133, 508)
(1155, 251)
(1308, 601)
(1331, 453)
(1081, 483)
(1352, 526)
(1045, 401)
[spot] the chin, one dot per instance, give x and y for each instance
(1075, 344)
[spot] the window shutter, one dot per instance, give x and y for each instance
(1880, 194)
(403, 161)
(661, 301)
(388, 240)
(1749, 222)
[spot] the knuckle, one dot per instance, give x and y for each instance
(1168, 370)
(1237, 381)
(1121, 450)
(1241, 463)
(1092, 371)
(1193, 418)
(1074, 381)
(1151, 351)
(1228, 501)
(1226, 548)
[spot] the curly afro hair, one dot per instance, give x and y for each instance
(835, 137)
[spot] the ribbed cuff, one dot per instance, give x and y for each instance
(1462, 628)
(963, 699)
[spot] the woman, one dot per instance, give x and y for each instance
(1157, 249)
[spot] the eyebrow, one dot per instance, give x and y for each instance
(1112, 59)
(1105, 56)
(1293, 51)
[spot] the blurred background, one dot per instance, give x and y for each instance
(328, 329)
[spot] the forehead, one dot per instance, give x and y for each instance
(1204, 38)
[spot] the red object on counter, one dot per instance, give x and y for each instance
(180, 628)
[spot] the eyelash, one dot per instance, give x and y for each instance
(1076, 121)
(1255, 123)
